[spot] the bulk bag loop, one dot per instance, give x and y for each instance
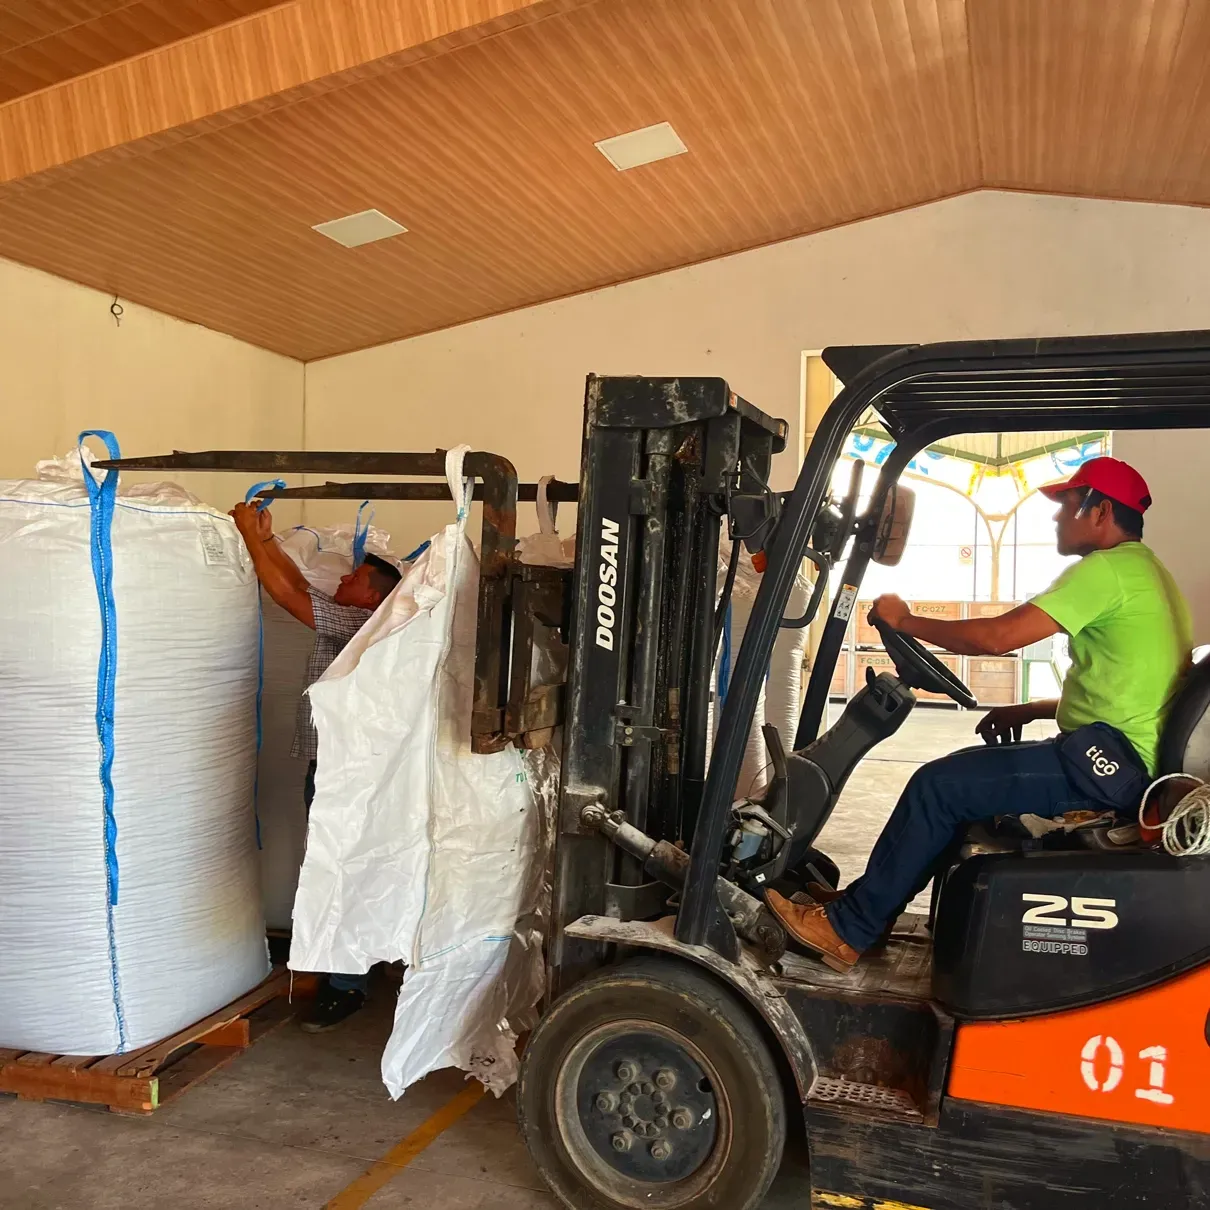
(544, 508)
(101, 499)
(101, 503)
(250, 494)
(361, 533)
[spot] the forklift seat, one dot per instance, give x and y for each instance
(1185, 739)
(994, 957)
(1184, 748)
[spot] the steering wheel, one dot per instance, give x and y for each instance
(919, 668)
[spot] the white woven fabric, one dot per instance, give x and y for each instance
(780, 697)
(418, 848)
(79, 974)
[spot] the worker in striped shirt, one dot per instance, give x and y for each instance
(335, 620)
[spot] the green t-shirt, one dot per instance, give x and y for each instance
(1131, 638)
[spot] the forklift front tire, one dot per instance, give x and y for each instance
(650, 1085)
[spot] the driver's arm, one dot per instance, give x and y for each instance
(976, 636)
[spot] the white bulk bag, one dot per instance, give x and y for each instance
(323, 555)
(753, 776)
(780, 697)
(125, 915)
(418, 849)
(783, 692)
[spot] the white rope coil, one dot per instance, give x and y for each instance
(1186, 831)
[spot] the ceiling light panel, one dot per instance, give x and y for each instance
(365, 227)
(658, 142)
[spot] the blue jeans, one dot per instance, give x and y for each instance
(941, 799)
(340, 983)
(349, 983)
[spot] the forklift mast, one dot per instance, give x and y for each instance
(664, 461)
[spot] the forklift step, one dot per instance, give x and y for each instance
(900, 970)
(870, 1098)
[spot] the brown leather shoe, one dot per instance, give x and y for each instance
(811, 928)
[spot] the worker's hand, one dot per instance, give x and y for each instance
(255, 526)
(1002, 724)
(890, 609)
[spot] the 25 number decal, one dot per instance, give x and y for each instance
(1156, 1056)
(1084, 913)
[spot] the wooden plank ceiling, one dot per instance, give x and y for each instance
(189, 178)
(43, 42)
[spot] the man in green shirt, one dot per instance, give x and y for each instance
(1131, 636)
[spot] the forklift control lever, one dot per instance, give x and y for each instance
(663, 860)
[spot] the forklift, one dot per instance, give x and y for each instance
(1040, 1042)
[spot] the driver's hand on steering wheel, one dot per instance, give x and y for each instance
(1003, 724)
(890, 609)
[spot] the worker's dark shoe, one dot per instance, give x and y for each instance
(810, 927)
(331, 1008)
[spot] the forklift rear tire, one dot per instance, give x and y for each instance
(650, 1085)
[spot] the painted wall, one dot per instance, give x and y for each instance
(159, 383)
(1176, 466)
(985, 265)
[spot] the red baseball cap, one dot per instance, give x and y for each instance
(1111, 477)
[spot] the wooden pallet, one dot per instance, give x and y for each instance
(142, 1080)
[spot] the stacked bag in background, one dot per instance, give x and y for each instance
(780, 700)
(129, 901)
(784, 689)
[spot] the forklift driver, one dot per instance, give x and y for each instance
(1131, 639)
(335, 621)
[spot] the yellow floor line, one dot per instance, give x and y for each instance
(406, 1150)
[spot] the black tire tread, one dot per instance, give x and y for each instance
(713, 999)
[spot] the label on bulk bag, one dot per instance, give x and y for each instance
(214, 549)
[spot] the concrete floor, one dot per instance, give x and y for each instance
(297, 1119)
(293, 1123)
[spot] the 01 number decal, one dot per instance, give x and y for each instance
(1156, 1058)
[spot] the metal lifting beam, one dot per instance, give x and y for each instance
(504, 712)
